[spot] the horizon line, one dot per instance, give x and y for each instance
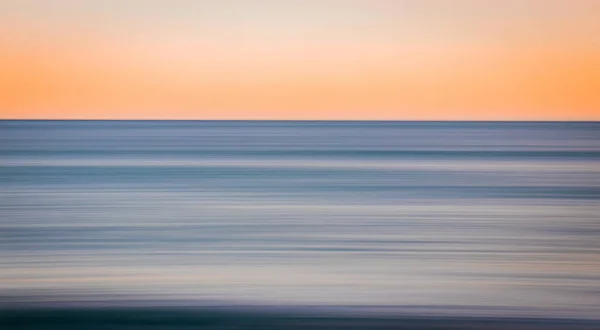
(321, 120)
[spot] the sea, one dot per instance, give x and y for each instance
(299, 224)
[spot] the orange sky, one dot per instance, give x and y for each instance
(327, 59)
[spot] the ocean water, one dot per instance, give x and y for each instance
(424, 219)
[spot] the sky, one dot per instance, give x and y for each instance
(300, 59)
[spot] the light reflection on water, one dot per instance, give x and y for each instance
(476, 217)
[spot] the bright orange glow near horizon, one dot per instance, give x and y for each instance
(323, 60)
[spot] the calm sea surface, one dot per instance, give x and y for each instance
(445, 218)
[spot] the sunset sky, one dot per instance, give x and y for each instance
(300, 59)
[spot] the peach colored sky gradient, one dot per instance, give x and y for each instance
(311, 59)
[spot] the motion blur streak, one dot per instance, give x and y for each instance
(404, 223)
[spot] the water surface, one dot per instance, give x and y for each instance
(420, 218)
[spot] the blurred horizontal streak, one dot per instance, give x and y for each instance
(406, 163)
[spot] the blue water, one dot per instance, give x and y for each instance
(420, 218)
